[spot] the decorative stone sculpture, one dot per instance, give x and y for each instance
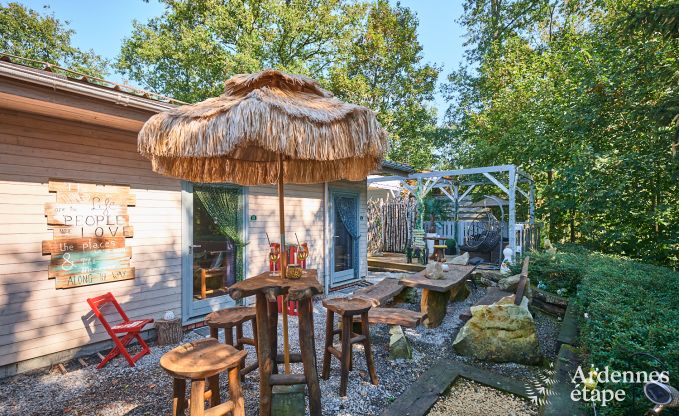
(502, 332)
(434, 270)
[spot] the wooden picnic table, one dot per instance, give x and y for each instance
(437, 292)
(266, 288)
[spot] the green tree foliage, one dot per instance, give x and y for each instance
(365, 52)
(195, 45)
(29, 34)
(384, 71)
(588, 108)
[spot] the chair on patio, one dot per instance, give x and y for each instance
(230, 318)
(197, 362)
(130, 328)
(347, 309)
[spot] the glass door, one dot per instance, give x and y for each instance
(215, 255)
(345, 232)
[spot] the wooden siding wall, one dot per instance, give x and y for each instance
(303, 215)
(35, 318)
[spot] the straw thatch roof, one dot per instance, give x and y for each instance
(238, 136)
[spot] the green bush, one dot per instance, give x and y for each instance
(631, 307)
(558, 273)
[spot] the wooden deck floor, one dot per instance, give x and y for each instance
(393, 262)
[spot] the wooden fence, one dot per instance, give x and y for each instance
(390, 225)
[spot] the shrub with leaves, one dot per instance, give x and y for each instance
(558, 273)
(632, 308)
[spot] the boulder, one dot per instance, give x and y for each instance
(399, 347)
(489, 276)
(502, 332)
(463, 259)
(510, 283)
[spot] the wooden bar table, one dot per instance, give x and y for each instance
(266, 288)
(435, 293)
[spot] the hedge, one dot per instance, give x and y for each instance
(625, 307)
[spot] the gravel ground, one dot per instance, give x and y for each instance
(146, 389)
(467, 398)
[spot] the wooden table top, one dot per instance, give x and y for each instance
(453, 277)
(273, 286)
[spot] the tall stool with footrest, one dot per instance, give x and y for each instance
(197, 362)
(347, 308)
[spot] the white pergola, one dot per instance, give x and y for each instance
(458, 183)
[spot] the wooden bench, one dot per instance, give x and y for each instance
(393, 316)
(383, 293)
(494, 294)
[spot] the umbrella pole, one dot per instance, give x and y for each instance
(284, 263)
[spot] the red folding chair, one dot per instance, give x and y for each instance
(131, 329)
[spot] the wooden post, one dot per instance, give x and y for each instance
(284, 260)
(264, 354)
(308, 352)
(178, 396)
(235, 392)
(370, 362)
(434, 305)
(197, 402)
(345, 354)
(215, 397)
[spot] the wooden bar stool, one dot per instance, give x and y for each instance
(196, 362)
(229, 318)
(347, 308)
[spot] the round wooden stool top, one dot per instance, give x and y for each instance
(230, 317)
(347, 306)
(200, 359)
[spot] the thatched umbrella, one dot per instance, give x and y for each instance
(266, 128)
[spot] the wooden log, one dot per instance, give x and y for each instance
(266, 364)
(548, 307)
(286, 379)
(169, 332)
(433, 304)
(197, 406)
(215, 398)
(178, 396)
(235, 393)
(308, 352)
(549, 298)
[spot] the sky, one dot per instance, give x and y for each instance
(102, 25)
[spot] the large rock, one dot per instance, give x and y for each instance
(399, 347)
(502, 332)
(510, 283)
(487, 277)
(460, 260)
